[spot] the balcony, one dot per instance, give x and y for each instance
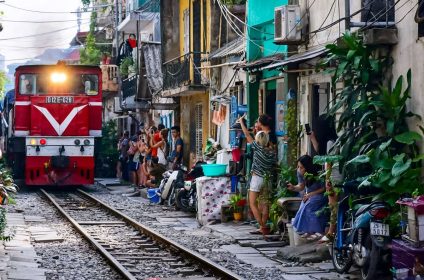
(180, 77)
(109, 77)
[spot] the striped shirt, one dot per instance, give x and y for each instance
(263, 159)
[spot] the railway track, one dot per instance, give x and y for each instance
(133, 249)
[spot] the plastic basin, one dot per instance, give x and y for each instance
(153, 195)
(212, 170)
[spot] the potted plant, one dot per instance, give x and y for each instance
(237, 203)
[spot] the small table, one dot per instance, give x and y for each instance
(212, 193)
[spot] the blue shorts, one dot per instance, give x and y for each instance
(133, 166)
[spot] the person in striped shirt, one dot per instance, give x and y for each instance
(264, 160)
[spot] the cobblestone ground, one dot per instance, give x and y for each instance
(72, 258)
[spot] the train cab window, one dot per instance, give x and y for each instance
(28, 84)
(86, 84)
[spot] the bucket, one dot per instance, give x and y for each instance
(290, 233)
(236, 154)
(296, 237)
(153, 195)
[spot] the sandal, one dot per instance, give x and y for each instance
(304, 235)
(328, 238)
(314, 236)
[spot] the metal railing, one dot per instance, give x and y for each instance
(176, 72)
(129, 86)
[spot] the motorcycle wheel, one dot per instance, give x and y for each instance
(369, 270)
(342, 260)
(171, 198)
(182, 200)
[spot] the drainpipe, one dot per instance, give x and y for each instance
(347, 15)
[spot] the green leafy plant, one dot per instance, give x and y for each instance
(292, 131)
(125, 65)
(377, 147)
(91, 54)
(286, 174)
(237, 203)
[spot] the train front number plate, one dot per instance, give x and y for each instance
(59, 99)
(379, 229)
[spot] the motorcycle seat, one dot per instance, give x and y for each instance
(367, 207)
(362, 209)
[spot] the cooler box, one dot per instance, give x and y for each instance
(405, 256)
(212, 193)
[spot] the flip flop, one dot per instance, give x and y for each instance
(314, 237)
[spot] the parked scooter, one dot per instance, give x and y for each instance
(186, 198)
(362, 238)
(172, 181)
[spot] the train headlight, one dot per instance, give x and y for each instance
(58, 77)
(77, 142)
(43, 142)
(33, 142)
(86, 142)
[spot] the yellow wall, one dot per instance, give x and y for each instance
(184, 4)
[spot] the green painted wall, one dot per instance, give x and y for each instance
(260, 43)
(260, 18)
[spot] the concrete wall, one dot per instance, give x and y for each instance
(227, 72)
(170, 34)
(407, 54)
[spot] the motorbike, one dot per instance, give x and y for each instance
(186, 198)
(172, 181)
(362, 238)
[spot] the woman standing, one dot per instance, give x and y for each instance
(264, 159)
(307, 221)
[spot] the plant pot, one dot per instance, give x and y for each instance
(237, 216)
(266, 230)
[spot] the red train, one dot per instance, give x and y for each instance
(56, 117)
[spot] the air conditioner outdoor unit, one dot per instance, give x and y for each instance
(287, 25)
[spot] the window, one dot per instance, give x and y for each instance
(28, 83)
(186, 20)
(51, 83)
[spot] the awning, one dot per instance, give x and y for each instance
(233, 48)
(297, 58)
(264, 61)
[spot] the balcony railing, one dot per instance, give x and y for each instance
(176, 72)
(129, 87)
(109, 77)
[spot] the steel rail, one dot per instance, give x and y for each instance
(115, 263)
(217, 269)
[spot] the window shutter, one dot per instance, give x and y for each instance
(186, 31)
(199, 130)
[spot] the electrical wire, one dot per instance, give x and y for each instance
(46, 12)
(41, 34)
(50, 21)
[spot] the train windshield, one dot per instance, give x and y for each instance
(58, 83)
